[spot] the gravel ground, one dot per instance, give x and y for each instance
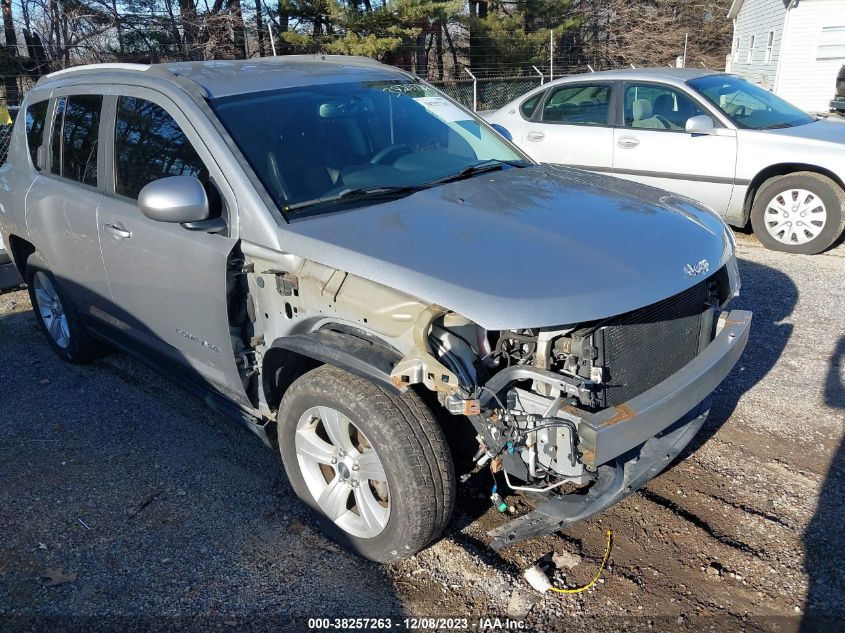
(147, 509)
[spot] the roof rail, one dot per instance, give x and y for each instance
(159, 70)
(84, 67)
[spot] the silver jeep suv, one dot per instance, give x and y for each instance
(331, 251)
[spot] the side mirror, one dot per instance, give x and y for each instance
(501, 129)
(701, 124)
(174, 199)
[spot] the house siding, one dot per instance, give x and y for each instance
(757, 18)
(804, 80)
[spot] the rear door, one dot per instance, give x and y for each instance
(573, 126)
(63, 201)
(515, 118)
(653, 147)
(169, 284)
(16, 178)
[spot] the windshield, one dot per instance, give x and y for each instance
(747, 105)
(318, 147)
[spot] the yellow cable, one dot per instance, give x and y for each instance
(594, 580)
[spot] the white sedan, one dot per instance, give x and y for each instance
(744, 152)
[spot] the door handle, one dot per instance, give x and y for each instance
(628, 142)
(118, 231)
(534, 136)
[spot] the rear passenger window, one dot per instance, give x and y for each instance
(75, 132)
(148, 145)
(530, 104)
(581, 104)
(36, 116)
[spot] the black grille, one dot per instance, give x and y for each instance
(642, 348)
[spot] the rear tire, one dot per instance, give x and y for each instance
(394, 437)
(57, 316)
(802, 212)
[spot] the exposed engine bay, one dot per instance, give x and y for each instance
(528, 429)
(524, 432)
(526, 391)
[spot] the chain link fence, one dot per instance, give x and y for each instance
(487, 93)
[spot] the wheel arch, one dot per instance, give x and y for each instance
(781, 169)
(20, 249)
(350, 349)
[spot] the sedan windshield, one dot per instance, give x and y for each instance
(747, 105)
(318, 148)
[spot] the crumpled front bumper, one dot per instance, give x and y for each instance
(629, 444)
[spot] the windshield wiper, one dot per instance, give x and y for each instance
(355, 194)
(777, 126)
(478, 168)
(403, 190)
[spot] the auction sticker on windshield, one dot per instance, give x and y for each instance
(442, 109)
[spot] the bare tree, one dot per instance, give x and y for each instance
(10, 55)
(652, 32)
(433, 37)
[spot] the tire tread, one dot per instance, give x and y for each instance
(429, 472)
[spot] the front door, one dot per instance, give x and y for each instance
(653, 147)
(572, 127)
(168, 283)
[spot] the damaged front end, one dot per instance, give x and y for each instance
(595, 409)
(576, 416)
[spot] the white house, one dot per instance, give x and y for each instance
(792, 47)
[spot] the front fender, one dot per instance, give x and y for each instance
(363, 357)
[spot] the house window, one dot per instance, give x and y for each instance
(832, 43)
(750, 56)
(769, 46)
(736, 49)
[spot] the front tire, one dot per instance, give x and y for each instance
(57, 316)
(373, 467)
(803, 213)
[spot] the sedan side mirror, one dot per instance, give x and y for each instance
(174, 199)
(701, 124)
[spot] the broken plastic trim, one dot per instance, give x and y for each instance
(419, 366)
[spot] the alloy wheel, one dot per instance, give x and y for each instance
(343, 471)
(51, 310)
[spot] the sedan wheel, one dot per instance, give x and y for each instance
(802, 212)
(343, 472)
(795, 216)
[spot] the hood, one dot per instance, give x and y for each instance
(517, 248)
(818, 131)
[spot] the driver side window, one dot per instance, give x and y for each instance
(149, 145)
(656, 107)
